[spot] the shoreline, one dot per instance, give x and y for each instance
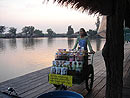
(51, 37)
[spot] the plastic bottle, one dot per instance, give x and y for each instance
(64, 69)
(74, 64)
(77, 68)
(53, 68)
(80, 63)
(58, 68)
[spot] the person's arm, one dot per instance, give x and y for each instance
(89, 45)
(77, 41)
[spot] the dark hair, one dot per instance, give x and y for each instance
(85, 33)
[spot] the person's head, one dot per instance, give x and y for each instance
(82, 32)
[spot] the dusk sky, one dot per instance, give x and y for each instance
(20, 13)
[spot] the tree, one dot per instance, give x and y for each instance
(70, 30)
(25, 30)
(28, 30)
(113, 51)
(50, 32)
(12, 30)
(38, 32)
(91, 32)
(2, 29)
(31, 30)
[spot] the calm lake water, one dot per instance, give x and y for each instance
(22, 56)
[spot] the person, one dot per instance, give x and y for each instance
(83, 41)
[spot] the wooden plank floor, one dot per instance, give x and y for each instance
(34, 84)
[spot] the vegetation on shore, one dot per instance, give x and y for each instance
(31, 32)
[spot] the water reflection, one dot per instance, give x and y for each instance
(13, 43)
(70, 42)
(2, 45)
(50, 41)
(39, 55)
(30, 43)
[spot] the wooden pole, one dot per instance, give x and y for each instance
(113, 51)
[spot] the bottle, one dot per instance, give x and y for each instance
(70, 66)
(54, 63)
(74, 65)
(80, 63)
(67, 64)
(53, 68)
(64, 69)
(77, 67)
(58, 68)
(77, 56)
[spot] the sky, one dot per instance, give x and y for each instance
(20, 13)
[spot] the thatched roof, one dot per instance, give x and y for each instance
(92, 6)
(104, 7)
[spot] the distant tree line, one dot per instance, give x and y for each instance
(31, 31)
(27, 31)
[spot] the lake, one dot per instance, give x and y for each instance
(25, 55)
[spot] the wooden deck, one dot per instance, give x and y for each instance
(34, 84)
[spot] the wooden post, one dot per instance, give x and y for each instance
(113, 51)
